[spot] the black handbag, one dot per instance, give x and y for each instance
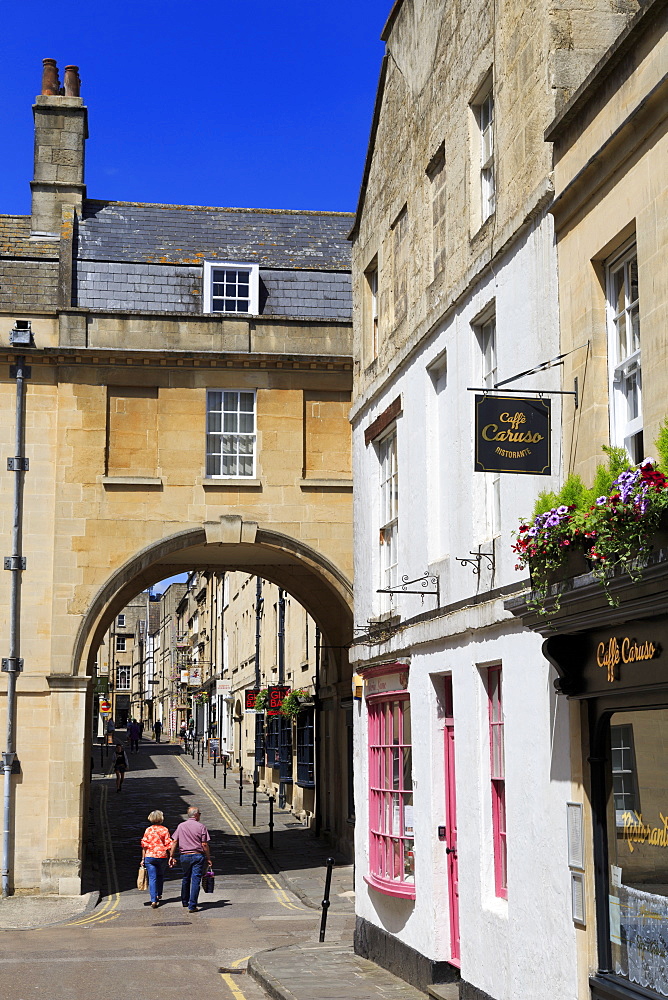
(208, 881)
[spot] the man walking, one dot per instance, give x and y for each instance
(192, 840)
(133, 733)
(111, 729)
(157, 729)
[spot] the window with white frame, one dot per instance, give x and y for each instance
(230, 433)
(483, 108)
(626, 425)
(120, 621)
(436, 175)
(401, 250)
(389, 510)
(497, 755)
(372, 310)
(120, 643)
(231, 287)
(122, 678)
(624, 772)
(486, 333)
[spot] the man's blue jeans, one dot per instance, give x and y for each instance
(155, 869)
(193, 867)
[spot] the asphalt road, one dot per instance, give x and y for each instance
(124, 946)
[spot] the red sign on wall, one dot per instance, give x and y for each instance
(250, 696)
(277, 694)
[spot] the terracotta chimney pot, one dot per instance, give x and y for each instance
(72, 81)
(50, 81)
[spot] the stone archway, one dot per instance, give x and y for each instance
(227, 544)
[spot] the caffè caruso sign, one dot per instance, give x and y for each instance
(512, 434)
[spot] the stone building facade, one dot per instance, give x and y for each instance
(611, 187)
(191, 414)
(462, 872)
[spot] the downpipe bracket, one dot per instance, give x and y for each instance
(12, 665)
(14, 563)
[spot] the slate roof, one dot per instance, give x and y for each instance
(184, 234)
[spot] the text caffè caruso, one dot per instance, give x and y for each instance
(613, 660)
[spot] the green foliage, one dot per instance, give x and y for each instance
(544, 501)
(573, 492)
(618, 459)
(661, 445)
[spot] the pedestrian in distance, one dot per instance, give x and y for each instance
(111, 729)
(155, 845)
(183, 732)
(120, 765)
(133, 733)
(157, 729)
(191, 838)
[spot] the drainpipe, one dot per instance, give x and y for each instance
(15, 563)
(259, 602)
(281, 637)
(316, 726)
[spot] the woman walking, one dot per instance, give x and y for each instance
(154, 847)
(120, 765)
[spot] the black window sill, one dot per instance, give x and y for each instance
(610, 987)
(305, 784)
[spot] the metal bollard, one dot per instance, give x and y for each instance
(214, 767)
(192, 747)
(203, 752)
(325, 901)
(241, 786)
(256, 782)
(271, 821)
(101, 754)
(225, 771)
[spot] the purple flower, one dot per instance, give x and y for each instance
(533, 532)
(625, 482)
(601, 501)
(552, 521)
(562, 510)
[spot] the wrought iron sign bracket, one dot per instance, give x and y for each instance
(474, 559)
(424, 581)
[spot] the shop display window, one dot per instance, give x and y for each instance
(392, 865)
(637, 822)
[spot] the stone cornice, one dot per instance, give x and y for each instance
(180, 360)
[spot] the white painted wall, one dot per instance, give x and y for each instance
(522, 948)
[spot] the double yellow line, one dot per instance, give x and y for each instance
(229, 982)
(231, 820)
(109, 909)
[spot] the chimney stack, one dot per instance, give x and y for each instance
(61, 129)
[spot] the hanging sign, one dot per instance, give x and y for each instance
(250, 694)
(277, 694)
(512, 434)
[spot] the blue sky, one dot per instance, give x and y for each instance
(258, 103)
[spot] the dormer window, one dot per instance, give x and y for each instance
(231, 287)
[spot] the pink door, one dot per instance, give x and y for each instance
(451, 823)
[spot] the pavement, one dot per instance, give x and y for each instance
(257, 935)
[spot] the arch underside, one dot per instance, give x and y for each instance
(311, 579)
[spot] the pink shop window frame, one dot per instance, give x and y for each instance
(390, 887)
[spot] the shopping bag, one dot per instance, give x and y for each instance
(142, 879)
(208, 881)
